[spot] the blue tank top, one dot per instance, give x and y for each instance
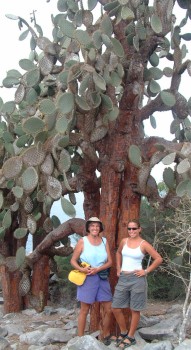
(95, 255)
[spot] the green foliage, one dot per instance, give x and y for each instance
(63, 266)
(20, 233)
(169, 232)
(65, 290)
(168, 176)
(135, 155)
(68, 207)
(20, 256)
(164, 287)
(185, 4)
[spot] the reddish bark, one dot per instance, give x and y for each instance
(129, 202)
(95, 319)
(10, 281)
(119, 202)
(40, 280)
(64, 230)
(91, 204)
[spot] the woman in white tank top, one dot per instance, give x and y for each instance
(131, 289)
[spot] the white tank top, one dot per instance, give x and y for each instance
(131, 258)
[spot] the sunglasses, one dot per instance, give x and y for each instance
(132, 228)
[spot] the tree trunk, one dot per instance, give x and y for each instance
(95, 317)
(129, 207)
(40, 275)
(10, 284)
(40, 281)
(119, 202)
(91, 204)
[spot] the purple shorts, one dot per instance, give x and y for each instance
(94, 289)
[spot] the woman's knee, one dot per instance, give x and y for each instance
(116, 311)
(84, 310)
(108, 311)
(135, 312)
(107, 307)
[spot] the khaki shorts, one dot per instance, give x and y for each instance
(130, 291)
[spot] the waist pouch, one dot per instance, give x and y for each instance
(104, 274)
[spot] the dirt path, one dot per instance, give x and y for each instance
(157, 307)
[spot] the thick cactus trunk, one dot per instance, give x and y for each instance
(10, 285)
(40, 282)
(118, 205)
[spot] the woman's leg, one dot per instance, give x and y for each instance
(134, 323)
(84, 310)
(133, 327)
(107, 318)
(119, 316)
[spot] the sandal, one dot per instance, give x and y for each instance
(120, 339)
(109, 339)
(132, 341)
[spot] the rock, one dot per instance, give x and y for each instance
(185, 345)
(39, 324)
(65, 312)
(14, 329)
(49, 310)
(149, 321)
(53, 335)
(29, 312)
(54, 279)
(176, 308)
(161, 345)
(31, 337)
(48, 336)
(3, 332)
(86, 342)
(47, 347)
(10, 316)
(71, 324)
(163, 330)
(4, 344)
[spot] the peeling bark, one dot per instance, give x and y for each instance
(67, 228)
(39, 287)
(10, 281)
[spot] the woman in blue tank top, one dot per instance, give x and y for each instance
(131, 289)
(94, 250)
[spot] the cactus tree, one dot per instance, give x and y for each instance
(76, 124)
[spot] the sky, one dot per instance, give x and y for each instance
(12, 50)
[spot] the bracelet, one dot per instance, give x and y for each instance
(146, 272)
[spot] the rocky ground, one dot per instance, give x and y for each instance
(54, 316)
(56, 327)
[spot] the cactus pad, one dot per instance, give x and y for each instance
(12, 167)
(54, 187)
